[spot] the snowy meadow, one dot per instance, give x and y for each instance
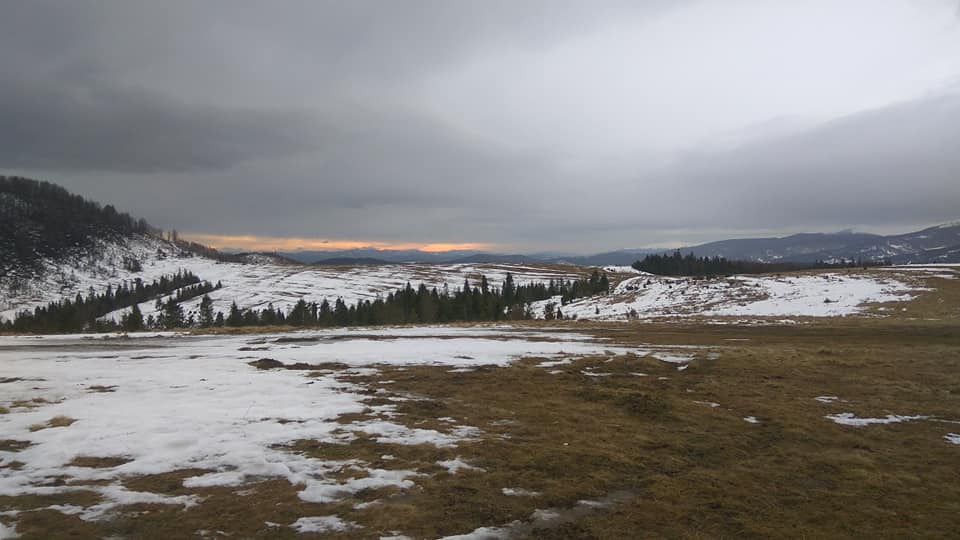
(84, 412)
(543, 428)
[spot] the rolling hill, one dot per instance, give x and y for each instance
(57, 245)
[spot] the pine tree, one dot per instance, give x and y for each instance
(132, 321)
(206, 311)
(172, 315)
(235, 318)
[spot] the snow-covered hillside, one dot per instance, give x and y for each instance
(813, 295)
(255, 284)
(264, 280)
(81, 268)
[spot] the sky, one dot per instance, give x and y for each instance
(542, 125)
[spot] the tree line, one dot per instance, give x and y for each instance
(408, 305)
(690, 265)
(82, 313)
(420, 305)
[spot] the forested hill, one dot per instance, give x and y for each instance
(40, 219)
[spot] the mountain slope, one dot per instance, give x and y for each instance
(934, 244)
(40, 219)
(58, 245)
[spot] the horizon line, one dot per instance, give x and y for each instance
(293, 243)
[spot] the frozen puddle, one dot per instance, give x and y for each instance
(157, 404)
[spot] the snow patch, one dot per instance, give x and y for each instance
(519, 492)
(482, 533)
(673, 357)
(453, 466)
(7, 531)
(711, 404)
(850, 419)
(544, 515)
(322, 524)
(620, 269)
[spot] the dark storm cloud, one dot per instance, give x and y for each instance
(68, 102)
(58, 127)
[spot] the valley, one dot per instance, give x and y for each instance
(811, 403)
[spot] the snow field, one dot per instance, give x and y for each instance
(267, 281)
(818, 295)
(249, 285)
(172, 402)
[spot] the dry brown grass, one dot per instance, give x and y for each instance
(55, 422)
(12, 445)
(98, 462)
(28, 403)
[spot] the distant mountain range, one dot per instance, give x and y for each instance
(940, 243)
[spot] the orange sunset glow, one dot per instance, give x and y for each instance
(276, 243)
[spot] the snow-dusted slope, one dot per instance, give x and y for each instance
(813, 295)
(94, 267)
(252, 285)
(265, 280)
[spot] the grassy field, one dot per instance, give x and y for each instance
(735, 445)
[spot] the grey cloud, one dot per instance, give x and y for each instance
(363, 39)
(143, 87)
(412, 180)
(59, 127)
(892, 168)
(877, 167)
(368, 172)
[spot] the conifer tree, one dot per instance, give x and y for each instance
(133, 321)
(235, 318)
(206, 311)
(172, 315)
